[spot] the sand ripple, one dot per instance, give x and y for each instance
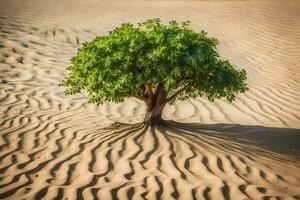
(56, 147)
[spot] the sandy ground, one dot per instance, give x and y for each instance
(55, 147)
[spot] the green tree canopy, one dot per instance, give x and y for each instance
(154, 62)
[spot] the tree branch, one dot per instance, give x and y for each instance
(159, 86)
(140, 98)
(177, 93)
(149, 90)
(143, 88)
(179, 78)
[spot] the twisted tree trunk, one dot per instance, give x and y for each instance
(154, 116)
(155, 103)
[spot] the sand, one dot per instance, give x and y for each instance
(57, 147)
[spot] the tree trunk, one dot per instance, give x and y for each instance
(154, 116)
(156, 100)
(155, 104)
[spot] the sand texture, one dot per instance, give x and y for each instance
(58, 147)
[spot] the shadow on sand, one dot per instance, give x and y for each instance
(282, 140)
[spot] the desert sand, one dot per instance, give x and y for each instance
(58, 147)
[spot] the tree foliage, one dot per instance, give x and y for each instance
(132, 59)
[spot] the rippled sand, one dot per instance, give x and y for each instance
(57, 147)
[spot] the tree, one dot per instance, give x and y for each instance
(155, 63)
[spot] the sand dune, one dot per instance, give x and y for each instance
(57, 147)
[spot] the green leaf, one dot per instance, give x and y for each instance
(115, 66)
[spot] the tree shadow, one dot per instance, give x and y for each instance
(281, 140)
